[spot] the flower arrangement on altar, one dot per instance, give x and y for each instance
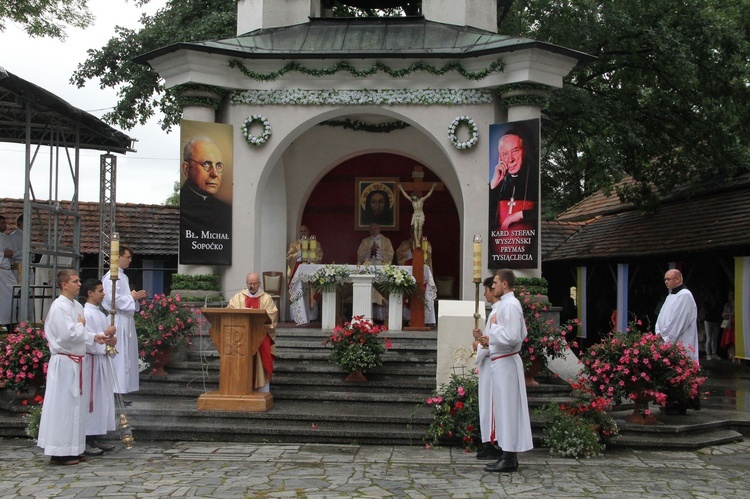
(24, 357)
(545, 340)
(391, 279)
(580, 428)
(640, 367)
(162, 324)
(330, 277)
(357, 345)
(455, 408)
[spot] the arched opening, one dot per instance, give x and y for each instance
(331, 211)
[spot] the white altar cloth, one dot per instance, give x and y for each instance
(297, 290)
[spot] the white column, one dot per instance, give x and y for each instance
(328, 314)
(362, 295)
(395, 311)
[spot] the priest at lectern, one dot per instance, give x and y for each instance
(255, 298)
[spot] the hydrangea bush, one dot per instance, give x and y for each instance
(24, 357)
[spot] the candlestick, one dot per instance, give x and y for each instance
(114, 255)
(477, 258)
(305, 246)
(424, 244)
(313, 248)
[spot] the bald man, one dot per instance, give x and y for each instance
(678, 322)
(254, 297)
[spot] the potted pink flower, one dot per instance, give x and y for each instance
(24, 357)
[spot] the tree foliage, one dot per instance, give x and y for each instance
(665, 102)
(46, 17)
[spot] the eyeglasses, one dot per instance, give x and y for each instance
(207, 165)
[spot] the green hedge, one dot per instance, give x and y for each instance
(200, 282)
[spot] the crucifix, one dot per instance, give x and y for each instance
(418, 187)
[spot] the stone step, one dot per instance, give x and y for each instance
(672, 441)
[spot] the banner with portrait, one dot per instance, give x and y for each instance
(514, 195)
(206, 157)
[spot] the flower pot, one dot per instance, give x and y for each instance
(356, 377)
(639, 415)
(533, 370)
(159, 361)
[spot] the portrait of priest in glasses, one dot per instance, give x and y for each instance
(205, 220)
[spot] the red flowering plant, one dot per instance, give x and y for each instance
(640, 367)
(24, 357)
(357, 345)
(163, 323)
(455, 408)
(545, 339)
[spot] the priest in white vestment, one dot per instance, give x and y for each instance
(678, 317)
(125, 363)
(100, 412)
(62, 429)
(255, 298)
(506, 332)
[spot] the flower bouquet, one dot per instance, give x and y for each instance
(391, 279)
(545, 339)
(162, 324)
(640, 367)
(456, 412)
(330, 277)
(357, 345)
(24, 357)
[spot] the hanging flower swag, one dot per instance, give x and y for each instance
(256, 140)
(473, 133)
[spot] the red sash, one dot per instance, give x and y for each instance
(78, 359)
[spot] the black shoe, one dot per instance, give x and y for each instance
(126, 402)
(490, 453)
(507, 464)
(64, 460)
(102, 445)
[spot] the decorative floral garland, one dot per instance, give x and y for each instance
(255, 140)
(473, 132)
(494, 67)
(361, 126)
(425, 97)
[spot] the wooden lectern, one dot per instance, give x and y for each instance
(237, 334)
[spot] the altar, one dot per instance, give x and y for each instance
(299, 290)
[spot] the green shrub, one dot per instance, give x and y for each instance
(200, 282)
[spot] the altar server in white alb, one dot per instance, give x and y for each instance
(100, 412)
(487, 450)
(506, 332)
(62, 429)
(125, 363)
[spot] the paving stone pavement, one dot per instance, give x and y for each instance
(235, 470)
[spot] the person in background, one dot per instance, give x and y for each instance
(125, 363)
(376, 249)
(678, 323)
(7, 278)
(727, 326)
(711, 322)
